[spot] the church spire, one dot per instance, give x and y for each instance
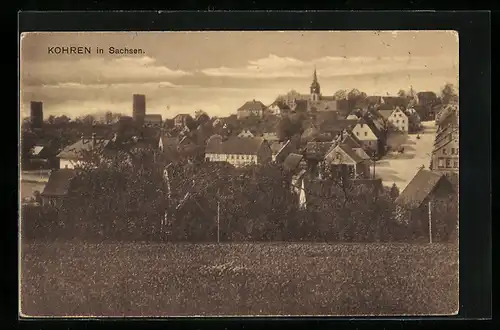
(315, 87)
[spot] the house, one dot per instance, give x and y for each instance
(181, 120)
(418, 200)
(73, 155)
(278, 108)
(153, 120)
(445, 153)
(343, 160)
(281, 150)
(368, 136)
(251, 108)
(58, 187)
(246, 133)
(43, 156)
(239, 151)
(398, 120)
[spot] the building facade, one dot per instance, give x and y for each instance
(239, 152)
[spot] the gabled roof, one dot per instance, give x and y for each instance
(74, 151)
(385, 113)
(59, 183)
(419, 188)
(347, 150)
(372, 126)
(237, 146)
(252, 106)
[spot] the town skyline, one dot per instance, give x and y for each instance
(232, 68)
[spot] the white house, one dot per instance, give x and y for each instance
(396, 119)
(239, 151)
(364, 133)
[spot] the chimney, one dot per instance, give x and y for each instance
(93, 140)
(82, 137)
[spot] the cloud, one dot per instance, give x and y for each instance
(286, 67)
(141, 86)
(97, 71)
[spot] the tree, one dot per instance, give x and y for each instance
(62, 120)
(51, 119)
(394, 193)
(449, 94)
(341, 94)
(402, 93)
(288, 127)
(108, 117)
(89, 120)
(201, 117)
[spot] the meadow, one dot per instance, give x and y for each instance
(134, 279)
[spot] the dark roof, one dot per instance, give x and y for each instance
(395, 101)
(153, 119)
(292, 161)
(318, 149)
(237, 146)
(301, 106)
(339, 124)
(385, 113)
(350, 141)
(59, 182)
(74, 151)
(276, 146)
(252, 106)
(419, 188)
(324, 105)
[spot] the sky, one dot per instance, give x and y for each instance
(181, 72)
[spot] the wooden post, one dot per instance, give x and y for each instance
(218, 222)
(430, 222)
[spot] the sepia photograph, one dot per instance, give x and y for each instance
(239, 173)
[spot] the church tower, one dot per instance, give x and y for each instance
(315, 88)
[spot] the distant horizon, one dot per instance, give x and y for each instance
(219, 71)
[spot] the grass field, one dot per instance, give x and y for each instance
(118, 279)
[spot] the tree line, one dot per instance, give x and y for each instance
(116, 200)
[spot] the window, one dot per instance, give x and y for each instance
(444, 151)
(452, 151)
(455, 163)
(397, 121)
(448, 162)
(403, 121)
(361, 125)
(357, 133)
(366, 133)
(440, 162)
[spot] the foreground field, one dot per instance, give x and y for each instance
(115, 279)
